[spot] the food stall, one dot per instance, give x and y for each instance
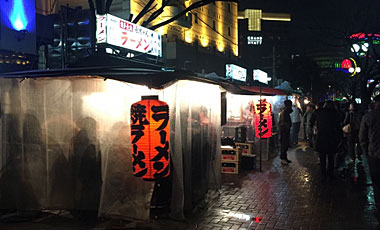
(243, 113)
(66, 141)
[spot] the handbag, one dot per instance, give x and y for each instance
(347, 128)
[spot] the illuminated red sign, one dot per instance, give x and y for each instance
(126, 26)
(263, 119)
(346, 64)
(363, 36)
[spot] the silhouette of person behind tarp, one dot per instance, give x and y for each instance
(34, 163)
(11, 178)
(86, 163)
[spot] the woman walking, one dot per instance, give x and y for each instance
(328, 136)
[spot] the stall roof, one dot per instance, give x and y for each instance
(157, 78)
(264, 90)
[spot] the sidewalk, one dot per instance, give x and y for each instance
(280, 197)
(292, 197)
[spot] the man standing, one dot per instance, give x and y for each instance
(295, 116)
(284, 124)
(369, 138)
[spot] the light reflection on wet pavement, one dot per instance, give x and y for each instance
(292, 197)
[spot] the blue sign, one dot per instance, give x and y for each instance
(18, 15)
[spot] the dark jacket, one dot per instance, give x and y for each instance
(307, 121)
(354, 119)
(369, 135)
(284, 121)
(329, 130)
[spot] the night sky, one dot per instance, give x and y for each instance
(316, 20)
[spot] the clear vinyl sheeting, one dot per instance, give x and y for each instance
(66, 145)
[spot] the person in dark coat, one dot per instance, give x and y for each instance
(369, 137)
(284, 123)
(328, 136)
(353, 118)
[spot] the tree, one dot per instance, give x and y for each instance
(341, 19)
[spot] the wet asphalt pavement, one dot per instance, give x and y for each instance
(280, 197)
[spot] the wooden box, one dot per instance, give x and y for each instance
(230, 167)
(246, 149)
(229, 153)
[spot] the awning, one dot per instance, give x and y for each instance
(264, 90)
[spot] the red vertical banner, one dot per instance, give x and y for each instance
(150, 136)
(263, 119)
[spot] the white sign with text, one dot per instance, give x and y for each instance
(119, 32)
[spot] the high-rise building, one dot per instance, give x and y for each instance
(264, 41)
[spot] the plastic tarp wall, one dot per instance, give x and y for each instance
(66, 145)
(195, 123)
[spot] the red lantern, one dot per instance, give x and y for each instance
(263, 119)
(150, 135)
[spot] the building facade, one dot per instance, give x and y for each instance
(203, 40)
(264, 42)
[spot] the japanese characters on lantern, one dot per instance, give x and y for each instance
(263, 119)
(150, 128)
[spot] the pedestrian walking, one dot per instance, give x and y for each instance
(369, 137)
(308, 129)
(329, 133)
(285, 124)
(296, 117)
(351, 128)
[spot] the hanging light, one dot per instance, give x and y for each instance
(150, 129)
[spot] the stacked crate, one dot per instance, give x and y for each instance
(230, 159)
(249, 159)
(246, 149)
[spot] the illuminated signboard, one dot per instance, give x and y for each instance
(261, 76)
(263, 119)
(236, 72)
(348, 66)
(254, 40)
(119, 32)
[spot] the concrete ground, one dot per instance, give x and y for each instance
(280, 197)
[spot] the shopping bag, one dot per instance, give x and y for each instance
(347, 128)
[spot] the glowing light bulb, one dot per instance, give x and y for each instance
(18, 17)
(18, 24)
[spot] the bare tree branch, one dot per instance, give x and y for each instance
(143, 11)
(191, 7)
(156, 13)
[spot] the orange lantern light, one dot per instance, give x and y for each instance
(263, 119)
(150, 135)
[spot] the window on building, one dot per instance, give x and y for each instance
(229, 31)
(195, 18)
(229, 7)
(213, 25)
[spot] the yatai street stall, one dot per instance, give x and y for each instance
(78, 139)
